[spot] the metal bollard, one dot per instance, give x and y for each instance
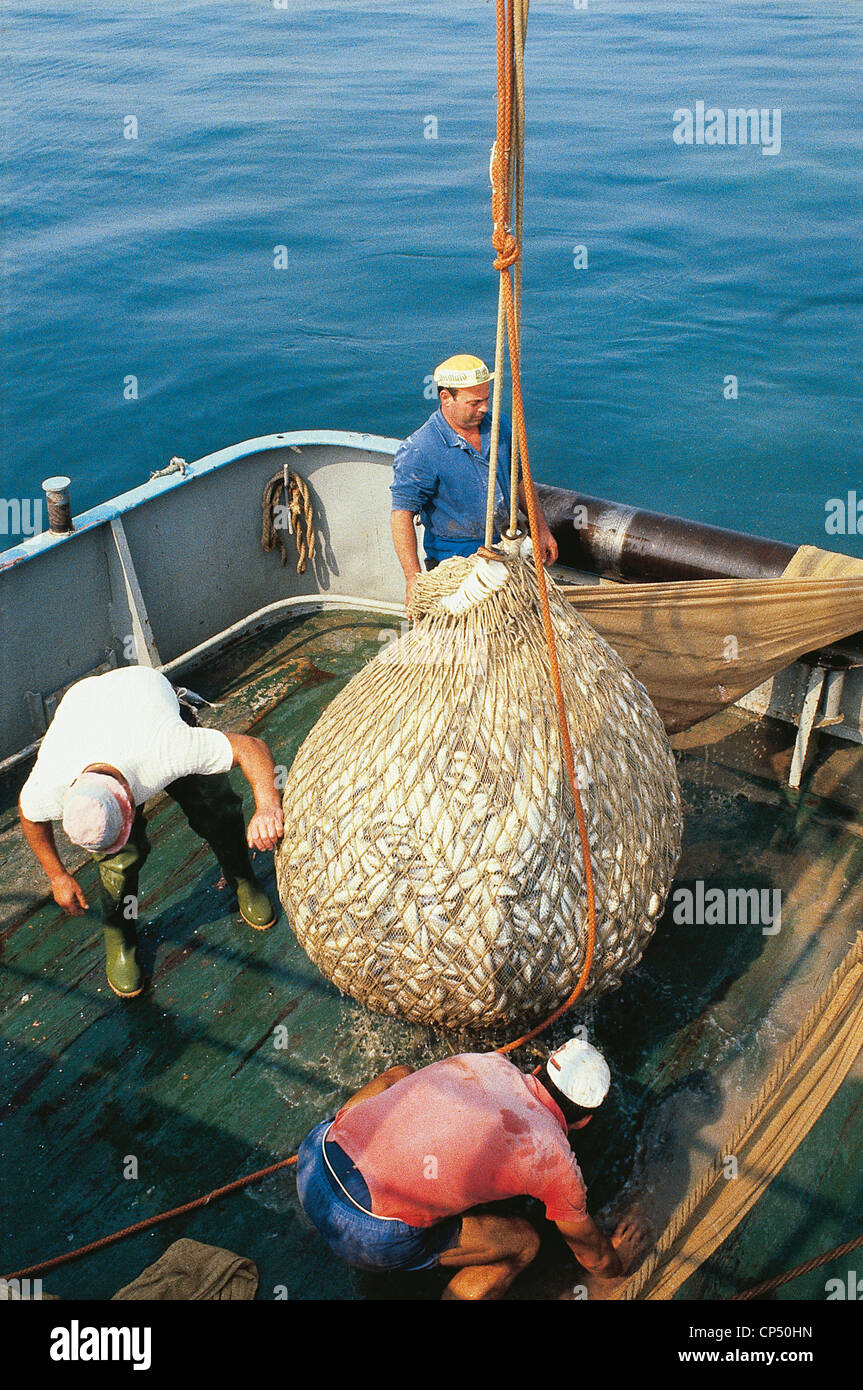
(59, 508)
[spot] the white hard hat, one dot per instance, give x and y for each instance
(462, 370)
(580, 1072)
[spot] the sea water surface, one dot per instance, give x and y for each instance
(224, 220)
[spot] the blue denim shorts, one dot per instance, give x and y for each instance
(365, 1241)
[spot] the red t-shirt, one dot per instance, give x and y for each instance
(467, 1130)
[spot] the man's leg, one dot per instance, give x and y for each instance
(491, 1251)
(118, 884)
(215, 812)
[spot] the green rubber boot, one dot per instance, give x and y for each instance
(255, 907)
(118, 876)
(121, 960)
(215, 812)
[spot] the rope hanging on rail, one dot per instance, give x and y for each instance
(295, 508)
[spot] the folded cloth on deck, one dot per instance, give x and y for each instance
(191, 1271)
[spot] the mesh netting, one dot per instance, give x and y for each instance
(431, 864)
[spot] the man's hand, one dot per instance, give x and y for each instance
(40, 837)
(628, 1240)
(68, 895)
(547, 545)
(409, 587)
(255, 761)
(266, 829)
(604, 1257)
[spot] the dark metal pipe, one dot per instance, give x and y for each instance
(623, 542)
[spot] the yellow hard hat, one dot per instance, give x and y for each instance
(462, 370)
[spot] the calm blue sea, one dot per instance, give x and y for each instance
(356, 136)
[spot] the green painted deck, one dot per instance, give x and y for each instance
(189, 1081)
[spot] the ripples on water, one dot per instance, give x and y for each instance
(304, 127)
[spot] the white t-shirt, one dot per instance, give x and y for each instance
(129, 719)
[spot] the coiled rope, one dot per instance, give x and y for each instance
(300, 516)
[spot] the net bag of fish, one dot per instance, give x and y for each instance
(431, 864)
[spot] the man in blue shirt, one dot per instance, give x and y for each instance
(441, 472)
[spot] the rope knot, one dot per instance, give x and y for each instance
(506, 247)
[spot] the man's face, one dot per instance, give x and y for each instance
(468, 408)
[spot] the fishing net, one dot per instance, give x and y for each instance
(431, 864)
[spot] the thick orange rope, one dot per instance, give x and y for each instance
(502, 239)
(507, 249)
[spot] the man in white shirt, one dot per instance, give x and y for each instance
(115, 741)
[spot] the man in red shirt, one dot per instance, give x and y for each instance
(399, 1178)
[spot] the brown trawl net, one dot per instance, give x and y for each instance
(431, 864)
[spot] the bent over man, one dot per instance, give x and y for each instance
(115, 741)
(398, 1180)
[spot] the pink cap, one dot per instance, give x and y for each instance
(98, 813)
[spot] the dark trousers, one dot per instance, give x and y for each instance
(213, 810)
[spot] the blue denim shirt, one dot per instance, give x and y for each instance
(440, 475)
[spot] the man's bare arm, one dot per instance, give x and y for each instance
(66, 891)
(591, 1247)
(405, 542)
(607, 1258)
(255, 761)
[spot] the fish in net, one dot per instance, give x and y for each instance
(431, 864)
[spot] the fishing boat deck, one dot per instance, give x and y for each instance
(240, 1046)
